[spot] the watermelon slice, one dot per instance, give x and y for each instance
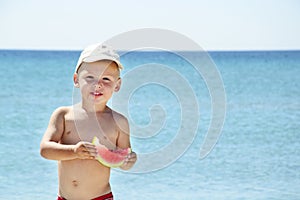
(110, 157)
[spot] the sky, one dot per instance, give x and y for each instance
(212, 24)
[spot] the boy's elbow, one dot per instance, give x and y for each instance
(43, 151)
(125, 168)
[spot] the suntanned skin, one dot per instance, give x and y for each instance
(71, 130)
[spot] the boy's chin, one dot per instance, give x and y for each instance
(97, 100)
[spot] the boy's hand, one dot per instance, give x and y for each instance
(85, 150)
(129, 161)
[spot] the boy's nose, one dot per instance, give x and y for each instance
(98, 85)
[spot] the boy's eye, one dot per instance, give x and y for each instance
(106, 79)
(89, 77)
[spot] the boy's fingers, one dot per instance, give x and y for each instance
(92, 152)
(91, 149)
(131, 159)
(88, 152)
(131, 155)
(88, 145)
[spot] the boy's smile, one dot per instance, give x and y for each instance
(97, 94)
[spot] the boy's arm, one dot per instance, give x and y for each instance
(50, 148)
(123, 141)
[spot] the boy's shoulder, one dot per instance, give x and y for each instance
(120, 119)
(118, 116)
(62, 110)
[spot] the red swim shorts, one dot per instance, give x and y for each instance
(108, 196)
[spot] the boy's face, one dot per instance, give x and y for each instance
(98, 80)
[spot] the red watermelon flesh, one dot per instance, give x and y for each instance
(110, 157)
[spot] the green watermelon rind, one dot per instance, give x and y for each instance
(102, 161)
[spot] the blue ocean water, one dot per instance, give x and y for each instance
(256, 157)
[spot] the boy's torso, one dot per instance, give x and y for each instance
(76, 177)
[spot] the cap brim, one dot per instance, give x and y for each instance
(97, 58)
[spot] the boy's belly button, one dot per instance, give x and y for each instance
(75, 183)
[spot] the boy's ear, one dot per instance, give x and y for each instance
(118, 85)
(75, 79)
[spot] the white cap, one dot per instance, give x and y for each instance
(96, 52)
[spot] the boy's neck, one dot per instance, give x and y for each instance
(95, 108)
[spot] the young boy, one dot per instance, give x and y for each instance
(71, 129)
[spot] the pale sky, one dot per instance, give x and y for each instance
(213, 24)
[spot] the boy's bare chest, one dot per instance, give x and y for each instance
(85, 128)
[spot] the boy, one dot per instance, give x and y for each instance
(71, 129)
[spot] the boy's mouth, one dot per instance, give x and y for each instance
(96, 94)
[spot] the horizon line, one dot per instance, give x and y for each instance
(178, 50)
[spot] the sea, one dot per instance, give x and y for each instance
(247, 112)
